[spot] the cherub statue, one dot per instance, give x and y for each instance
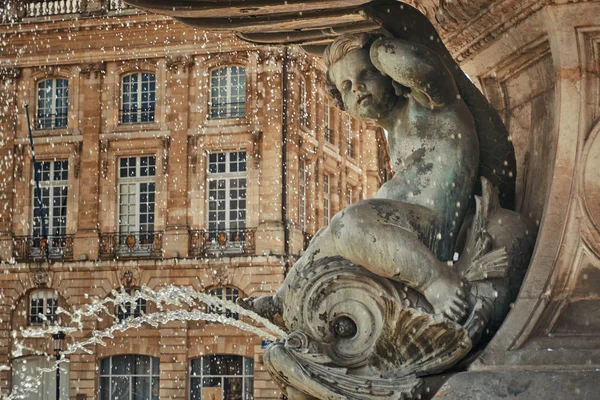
(377, 288)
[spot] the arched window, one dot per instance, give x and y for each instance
(228, 92)
(26, 370)
(138, 101)
(53, 103)
(129, 377)
(225, 293)
(225, 377)
(42, 307)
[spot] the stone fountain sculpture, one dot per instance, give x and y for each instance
(376, 301)
(411, 283)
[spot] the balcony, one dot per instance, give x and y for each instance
(131, 245)
(34, 9)
(205, 243)
(35, 248)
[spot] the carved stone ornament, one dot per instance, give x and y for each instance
(128, 280)
(51, 70)
(186, 62)
(220, 276)
(166, 143)
(97, 68)
(40, 277)
(77, 149)
(193, 143)
(257, 147)
(103, 148)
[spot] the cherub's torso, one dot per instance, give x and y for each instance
(434, 154)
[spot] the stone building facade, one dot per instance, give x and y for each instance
(167, 155)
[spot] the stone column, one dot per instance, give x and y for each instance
(86, 242)
(173, 343)
(9, 165)
(175, 240)
(270, 231)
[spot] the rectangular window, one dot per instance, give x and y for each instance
(349, 141)
(226, 182)
(138, 101)
(328, 131)
(302, 194)
(137, 192)
(228, 92)
(228, 294)
(53, 104)
(303, 104)
(326, 199)
(53, 176)
(349, 195)
(43, 303)
(131, 309)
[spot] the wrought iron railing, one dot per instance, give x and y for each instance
(328, 134)
(36, 248)
(131, 245)
(46, 7)
(227, 110)
(215, 243)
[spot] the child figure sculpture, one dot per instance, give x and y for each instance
(376, 298)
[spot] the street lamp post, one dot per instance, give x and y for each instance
(58, 340)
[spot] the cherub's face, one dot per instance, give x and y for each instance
(366, 93)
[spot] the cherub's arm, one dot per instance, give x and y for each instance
(416, 67)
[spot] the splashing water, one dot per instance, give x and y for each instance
(167, 296)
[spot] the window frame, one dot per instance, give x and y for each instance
(53, 106)
(225, 295)
(328, 130)
(229, 105)
(151, 375)
(326, 198)
(302, 181)
(151, 112)
(248, 364)
(303, 104)
(50, 184)
(349, 139)
(228, 176)
(138, 180)
(124, 311)
(45, 295)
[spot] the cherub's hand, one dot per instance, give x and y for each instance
(447, 295)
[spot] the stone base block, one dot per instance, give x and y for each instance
(521, 385)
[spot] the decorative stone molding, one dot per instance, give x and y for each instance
(193, 143)
(98, 69)
(51, 70)
(257, 148)
(18, 160)
(186, 62)
(103, 148)
(166, 143)
(221, 276)
(40, 277)
(77, 149)
(137, 64)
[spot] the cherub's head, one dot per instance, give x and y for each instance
(354, 82)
